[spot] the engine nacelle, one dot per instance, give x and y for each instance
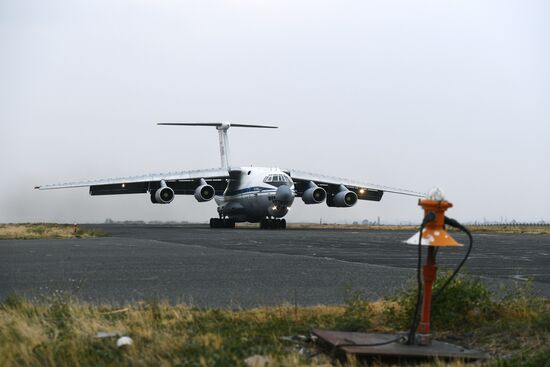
(343, 198)
(314, 195)
(163, 195)
(204, 192)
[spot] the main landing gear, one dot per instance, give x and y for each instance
(266, 223)
(222, 223)
(273, 224)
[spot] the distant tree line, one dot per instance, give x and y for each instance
(511, 224)
(142, 222)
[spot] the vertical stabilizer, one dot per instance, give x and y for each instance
(222, 128)
(224, 144)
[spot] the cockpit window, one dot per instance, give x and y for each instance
(277, 179)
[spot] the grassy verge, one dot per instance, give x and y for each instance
(60, 331)
(511, 229)
(29, 231)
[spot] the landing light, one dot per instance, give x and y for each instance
(123, 185)
(362, 191)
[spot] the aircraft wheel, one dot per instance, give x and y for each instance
(222, 223)
(273, 224)
(214, 223)
(268, 224)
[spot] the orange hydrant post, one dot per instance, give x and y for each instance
(429, 272)
(436, 236)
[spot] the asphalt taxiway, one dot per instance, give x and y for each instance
(250, 267)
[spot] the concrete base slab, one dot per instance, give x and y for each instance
(371, 345)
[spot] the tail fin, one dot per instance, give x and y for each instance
(222, 128)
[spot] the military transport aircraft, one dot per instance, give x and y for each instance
(243, 194)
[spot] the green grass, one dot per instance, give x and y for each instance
(27, 231)
(60, 331)
(463, 305)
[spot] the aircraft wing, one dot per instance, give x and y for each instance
(364, 190)
(183, 183)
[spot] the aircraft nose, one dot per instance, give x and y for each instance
(284, 195)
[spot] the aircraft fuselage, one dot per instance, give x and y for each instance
(254, 193)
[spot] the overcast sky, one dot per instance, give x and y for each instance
(412, 94)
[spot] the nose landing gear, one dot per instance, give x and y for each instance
(222, 223)
(273, 224)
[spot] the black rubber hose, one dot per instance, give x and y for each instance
(454, 223)
(414, 324)
(414, 319)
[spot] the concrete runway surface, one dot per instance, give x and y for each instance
(250, 267)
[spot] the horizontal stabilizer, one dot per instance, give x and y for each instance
(216, 124)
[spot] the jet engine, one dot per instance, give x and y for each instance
(343, 198)
(204, 192)
(164, 195)
(314, 195)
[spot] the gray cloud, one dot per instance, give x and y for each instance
(453, 94)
